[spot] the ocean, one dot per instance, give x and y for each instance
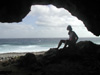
(34, 44)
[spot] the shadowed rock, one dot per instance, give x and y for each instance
(28, 61)
(81, 59)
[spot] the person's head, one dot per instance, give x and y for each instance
(69, 28)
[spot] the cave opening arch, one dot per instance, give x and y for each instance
(88, 12)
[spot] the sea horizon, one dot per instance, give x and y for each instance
(19, 45)
(44, 37)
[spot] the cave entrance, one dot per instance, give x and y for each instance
(48, 19)
(43, 22)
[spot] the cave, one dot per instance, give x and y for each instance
(87, 11)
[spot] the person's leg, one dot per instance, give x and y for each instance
(61, 41)
(66, 43)
(69, 43)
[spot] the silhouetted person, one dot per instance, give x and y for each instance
(72, 38)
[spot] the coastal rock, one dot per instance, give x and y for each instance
(28, 61)
(5, 72)
(82, 49)
(81, 59)
(49, 56)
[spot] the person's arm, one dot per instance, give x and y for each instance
(76, 37)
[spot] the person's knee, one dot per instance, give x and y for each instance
(60, 41)
(63, 41)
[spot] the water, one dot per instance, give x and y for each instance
(33, 44)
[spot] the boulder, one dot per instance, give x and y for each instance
(84, 59)
(28, 61)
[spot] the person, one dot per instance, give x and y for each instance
(72, 38)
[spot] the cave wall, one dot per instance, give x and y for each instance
(87, 11)
(14, 10)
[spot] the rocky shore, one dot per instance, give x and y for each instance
(81, 59)
(7, 56)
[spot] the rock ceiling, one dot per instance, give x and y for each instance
(87, 11)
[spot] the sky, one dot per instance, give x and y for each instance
(44, 21)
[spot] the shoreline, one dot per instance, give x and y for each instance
(7, 56)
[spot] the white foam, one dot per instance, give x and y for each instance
(21, 48)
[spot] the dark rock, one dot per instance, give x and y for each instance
(28, 61)
(50, 56)
(14, 11)
(5, 72)
(82, 59)
(88, 49)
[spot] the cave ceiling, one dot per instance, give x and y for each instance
(85, 10)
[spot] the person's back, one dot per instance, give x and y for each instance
(73, 37)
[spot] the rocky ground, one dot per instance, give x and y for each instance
(81, 59)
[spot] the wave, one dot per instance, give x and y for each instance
(22, 48)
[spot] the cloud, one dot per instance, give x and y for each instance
(53, 16)
(57, 18)
(50, 21)
(47, 10)
(44, 21)
(15, 26)
(14, 30)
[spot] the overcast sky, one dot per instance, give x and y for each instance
(44, 21)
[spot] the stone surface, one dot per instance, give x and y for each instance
(81, 59)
